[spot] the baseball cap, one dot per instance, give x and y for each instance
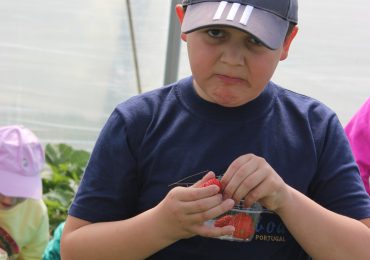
(21, 161)
(267, 20)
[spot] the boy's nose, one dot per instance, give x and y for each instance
(233, 55)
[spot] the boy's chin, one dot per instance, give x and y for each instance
(231, 101)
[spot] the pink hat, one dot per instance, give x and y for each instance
(358, 132)
(21, 161)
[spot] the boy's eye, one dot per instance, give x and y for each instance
(255, 41)
(215, 33)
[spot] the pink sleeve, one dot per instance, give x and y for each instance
(358, 133)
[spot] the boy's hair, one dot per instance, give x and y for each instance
(270, 21)
(290, 29)
(21, 161)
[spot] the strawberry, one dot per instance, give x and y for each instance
(243, 224)
(223, 221)
(213, 181)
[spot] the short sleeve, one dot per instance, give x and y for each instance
(337, 184)
(109, 188)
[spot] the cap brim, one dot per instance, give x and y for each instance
(14, 185)
(270, 29)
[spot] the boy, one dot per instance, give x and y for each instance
(282, 149)
(24, 223)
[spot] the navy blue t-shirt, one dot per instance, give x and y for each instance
(162, 136)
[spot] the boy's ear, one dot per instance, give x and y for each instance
(180, 15)
(288, 42)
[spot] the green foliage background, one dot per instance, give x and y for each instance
(60, 179)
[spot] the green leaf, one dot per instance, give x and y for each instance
(60, 179)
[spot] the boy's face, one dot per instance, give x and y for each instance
(7, 202)
(229, 66)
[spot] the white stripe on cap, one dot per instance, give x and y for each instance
(246, 14)
(220, 10)
(233, 11)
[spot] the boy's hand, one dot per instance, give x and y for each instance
(184, 210)
(251, 178)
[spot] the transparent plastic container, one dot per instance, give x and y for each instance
(245, 220)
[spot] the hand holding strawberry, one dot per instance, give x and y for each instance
(242, 222)
(213, 181)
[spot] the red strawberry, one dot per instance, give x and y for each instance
(223, 221)
(213, 181)
(243, 224)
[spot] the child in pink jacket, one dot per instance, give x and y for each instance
(358, 132)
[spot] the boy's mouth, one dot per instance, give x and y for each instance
(229, 79)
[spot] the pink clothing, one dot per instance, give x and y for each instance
(358, 132)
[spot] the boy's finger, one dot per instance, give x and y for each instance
(202, 205)
(195, 193)
(238, 178)
(206, 177)
(253, 180)
(234, 167)
(211, 231)
(214, 212)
